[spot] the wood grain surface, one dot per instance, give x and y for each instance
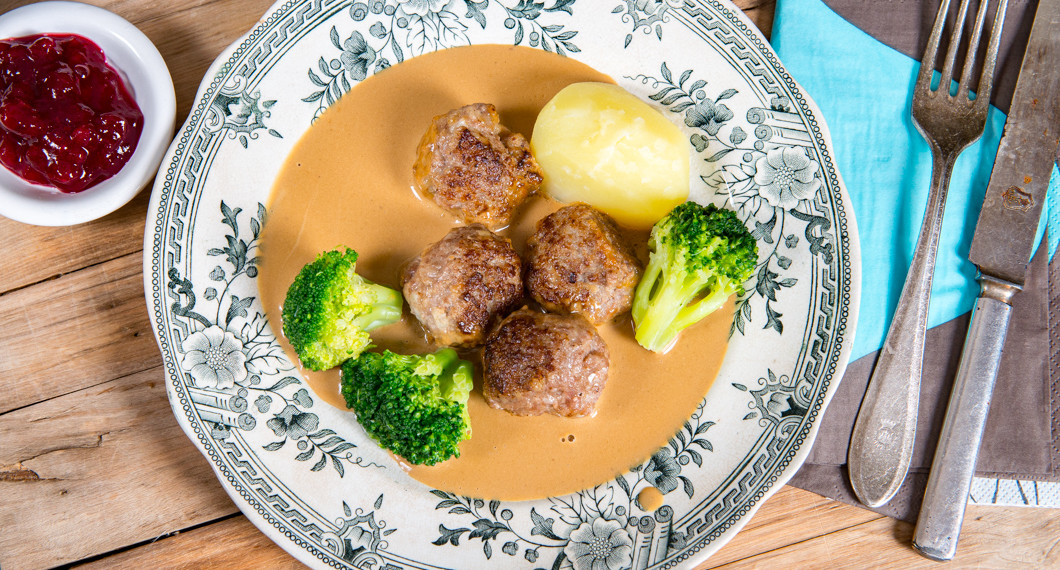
(95, 472)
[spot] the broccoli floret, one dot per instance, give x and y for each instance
(413, 405)
(329, 310)
(699, 256)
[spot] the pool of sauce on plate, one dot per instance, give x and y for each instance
(348, 182)
(650, 498)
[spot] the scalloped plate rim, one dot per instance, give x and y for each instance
(304, 555)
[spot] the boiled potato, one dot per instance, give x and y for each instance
(596, 143)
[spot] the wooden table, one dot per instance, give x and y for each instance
(95, 472)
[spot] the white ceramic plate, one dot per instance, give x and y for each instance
(305, 473)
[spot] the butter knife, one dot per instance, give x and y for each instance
(1001, 248)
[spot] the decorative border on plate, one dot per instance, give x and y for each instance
(725, 508)
(200, 139)
(722, 513)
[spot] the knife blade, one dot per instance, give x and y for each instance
(1004, 234)
(1001, 248)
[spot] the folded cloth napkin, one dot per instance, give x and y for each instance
(863, 85)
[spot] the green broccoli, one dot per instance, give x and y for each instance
(329, 310)
(699, 256)
(413, 405)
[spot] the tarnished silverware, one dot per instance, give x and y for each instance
(1001, 248)
(881, 446)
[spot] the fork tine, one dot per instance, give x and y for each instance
(986, 80)
(973, 49)
(951, 50)
(927, 64)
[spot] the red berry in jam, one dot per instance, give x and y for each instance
(67, 119)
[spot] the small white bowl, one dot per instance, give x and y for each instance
(129, 51)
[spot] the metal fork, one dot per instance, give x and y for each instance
(881, 446)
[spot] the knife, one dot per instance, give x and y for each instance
(1001, 248)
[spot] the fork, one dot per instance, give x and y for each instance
(881, 445)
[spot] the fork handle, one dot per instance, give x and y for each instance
(952, 469)
(881, 446)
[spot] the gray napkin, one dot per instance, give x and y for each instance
(1022, 439)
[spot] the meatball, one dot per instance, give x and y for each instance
(578, 263)
(544, 363)
(474, 167)
(461, 285)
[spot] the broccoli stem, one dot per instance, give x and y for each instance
(695, 312)
(648, 282)
(455, 380)
(677, 302)
(457, 374)
(656, 329)
(385, 310)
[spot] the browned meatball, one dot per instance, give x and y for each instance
(474, 167)
(578, 263)
(543, 363)
(461, 285)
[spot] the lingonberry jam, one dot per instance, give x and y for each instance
(66, 117)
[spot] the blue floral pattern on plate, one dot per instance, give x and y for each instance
(308, 476)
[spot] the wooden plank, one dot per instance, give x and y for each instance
(79, 330)
(230, 543)
(992, 537)
(45, 253)
(97, 470)
(772, 526)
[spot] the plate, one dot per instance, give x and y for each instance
(306, 474)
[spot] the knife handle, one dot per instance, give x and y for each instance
(952, 469)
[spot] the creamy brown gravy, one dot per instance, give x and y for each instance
(650, 498)
(348, 182)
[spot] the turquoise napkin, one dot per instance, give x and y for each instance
(863, 88)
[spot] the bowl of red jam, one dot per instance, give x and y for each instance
(87, 110)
